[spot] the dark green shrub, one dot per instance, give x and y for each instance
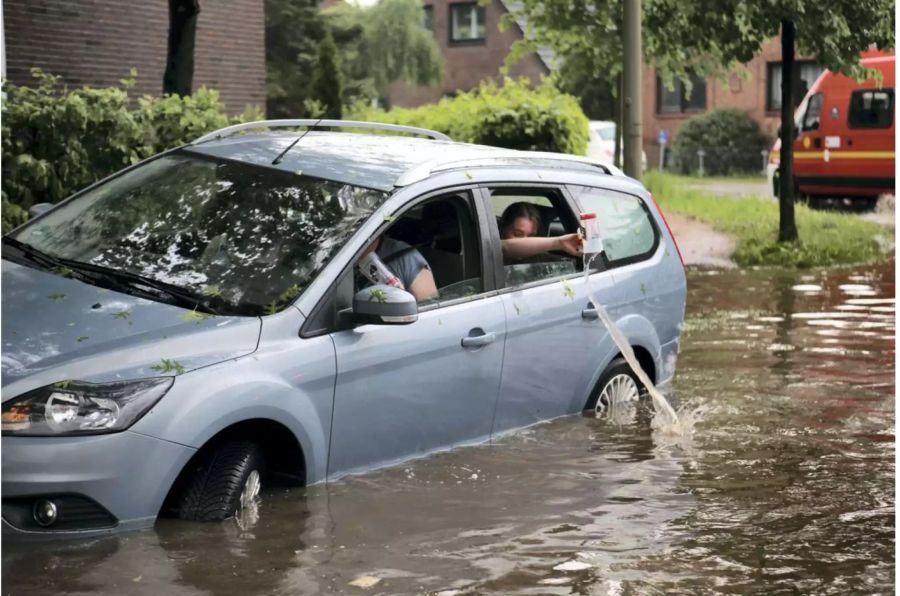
(731, 139)
(514, 116)
(56, 140)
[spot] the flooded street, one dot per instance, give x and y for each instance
(787, 485)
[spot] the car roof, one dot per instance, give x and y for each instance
(372, 161)
(381, 162)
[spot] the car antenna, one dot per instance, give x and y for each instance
(281, 155)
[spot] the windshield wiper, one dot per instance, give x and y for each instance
(33, 255)
(126, 279)
(112, 279)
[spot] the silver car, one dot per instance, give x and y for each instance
(198, 325)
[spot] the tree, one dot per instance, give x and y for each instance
(326, 84)
(709, 37)
(385, 42)
(179, 76)
(734, 30)
(294, 30)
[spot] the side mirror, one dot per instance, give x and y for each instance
(39, 209)
(385, 305)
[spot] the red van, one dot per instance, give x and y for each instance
(845, 136)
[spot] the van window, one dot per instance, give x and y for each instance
(813, 112)
(871, 108)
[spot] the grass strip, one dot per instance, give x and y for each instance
(826, 238)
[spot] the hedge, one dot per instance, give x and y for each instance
(514, 116)
(56, 140)
(731, 139)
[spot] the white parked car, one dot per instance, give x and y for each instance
(602, 143)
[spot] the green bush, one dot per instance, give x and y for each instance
(731, 139)
(514, 116)
(56, 140)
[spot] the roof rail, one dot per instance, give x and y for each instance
(312, 123)
(499, 158)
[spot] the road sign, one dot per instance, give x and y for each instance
(663, 136)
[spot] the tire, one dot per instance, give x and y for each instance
(612, 378)
(213, 491)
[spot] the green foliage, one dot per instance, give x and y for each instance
(56, 140)
(174, 120)
(826, 238)
(731, 139)
(327, 82)
(514, 116)
(294, 30)
(387, 42)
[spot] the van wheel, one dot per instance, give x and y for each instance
(618, 383)
(224, 482)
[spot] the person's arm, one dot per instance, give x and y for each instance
(423, 286)
(520, 248)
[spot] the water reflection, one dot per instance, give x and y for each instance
(787, 484)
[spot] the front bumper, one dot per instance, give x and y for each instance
(126, 475)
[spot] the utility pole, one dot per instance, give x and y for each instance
(632, 87)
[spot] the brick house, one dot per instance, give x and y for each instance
(754, 87)
(97, 42)
(473, 48)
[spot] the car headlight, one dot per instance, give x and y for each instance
(81, 408)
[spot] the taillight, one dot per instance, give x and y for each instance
(663, 215)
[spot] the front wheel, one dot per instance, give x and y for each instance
(224, 482)
(618, 384)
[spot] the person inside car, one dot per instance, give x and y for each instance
(519, 226)
(407, 264)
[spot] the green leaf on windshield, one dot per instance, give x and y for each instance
(193, 315)
(122, 314)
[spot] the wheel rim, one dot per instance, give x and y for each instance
(620, 389)
(250, 490)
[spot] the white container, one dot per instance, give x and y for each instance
(593, 239)
(374, 269)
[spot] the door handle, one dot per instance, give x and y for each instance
(479, 339)
(590, 314)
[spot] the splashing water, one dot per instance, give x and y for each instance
(664, 419)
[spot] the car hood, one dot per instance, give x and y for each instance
(56, 329)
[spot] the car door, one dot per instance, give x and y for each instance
(808, 153)
(405, 390)
(552, 328)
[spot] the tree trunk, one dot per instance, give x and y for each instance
(631, 85)
(179, 75)
(787, 229)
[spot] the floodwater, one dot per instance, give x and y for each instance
(786, 486)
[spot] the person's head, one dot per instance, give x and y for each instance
(519, 220)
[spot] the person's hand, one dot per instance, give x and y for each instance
(571, 243)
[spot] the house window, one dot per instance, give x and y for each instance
(807, 73)
(467, 22)
(428, 18)
(677, 100)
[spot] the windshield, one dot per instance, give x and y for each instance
(250, 236)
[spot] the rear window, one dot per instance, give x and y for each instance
(628, 231)
(871, 108)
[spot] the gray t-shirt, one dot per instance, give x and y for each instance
(405, 261)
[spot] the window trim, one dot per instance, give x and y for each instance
(561, 190)
(487, 280)
(657, 234)
(468, 41)
(888, 90)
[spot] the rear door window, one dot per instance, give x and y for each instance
(871, 108)
(629, 234)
